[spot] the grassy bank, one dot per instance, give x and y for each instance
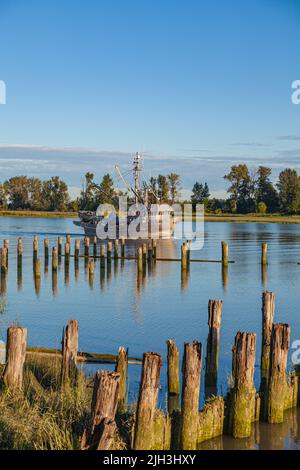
(46, 416)
(257, 218)
(44, 214)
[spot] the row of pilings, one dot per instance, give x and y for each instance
(182, 425)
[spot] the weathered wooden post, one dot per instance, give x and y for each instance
(15, 357)
(91, 269)
(145, 415)
(86, 247)
(46, 250)
(35, 248)
(140, 259)
(122, 248)
(102, 428)
(264, 252)
(116, 249)
(121, 368)
(54, 259)
(20, 252)
(224, 253)
(213, 346)
(59, 246)
(191, 378)
(6, 244)
(76, 249)
(154, 249)
(173, 376)
(102, 256)
(183, 257)
(188, 251)
(67, 253)
(242, 393)
(144, 254)
(68, 238)
(3, 260)
(95, 246)
(268, 307)
(69, 352)
(277, 383)
(37, 268)
(108, 252)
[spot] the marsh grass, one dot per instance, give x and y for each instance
(44, 416)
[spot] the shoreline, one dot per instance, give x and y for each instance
(233, 218)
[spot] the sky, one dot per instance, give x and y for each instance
(195, 85)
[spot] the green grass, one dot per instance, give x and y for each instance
(44, 214)
(46, 416)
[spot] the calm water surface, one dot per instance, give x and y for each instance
(116, 310)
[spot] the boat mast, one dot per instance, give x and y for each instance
(137, 168)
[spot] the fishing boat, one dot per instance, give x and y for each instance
(159, 220)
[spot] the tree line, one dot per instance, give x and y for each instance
(250, 191)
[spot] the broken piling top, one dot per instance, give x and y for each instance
(214, 313)
(264, 253)
(224, 245)
(15, 357)
(243, 358)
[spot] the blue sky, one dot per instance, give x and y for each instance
(195, 85)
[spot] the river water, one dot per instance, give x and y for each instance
(117, 310)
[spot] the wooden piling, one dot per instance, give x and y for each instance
(277, 383)
(140, 259)
(35, 248)
(145, 416)
(54, 258)
(121, 368)
(268, 307)
(91, 267)
(59, 246)
(102, 428)
(191, 378)
(68, 238)
(6, 244)
(102, 256)
(95, 246)
(154, 249)
(15, 357)
(69, 352)
(183, 257)
(144, 254)
(264, 252)
(109, 252)
(46, 249)
(188, 250)
(37, 268)
(20, 247)
(173, 376)
(86, 247)
(242, 393)
(3, 260)
(213, 346)
(116, 249)
(77, 249)
(122, 248)
(224, 253)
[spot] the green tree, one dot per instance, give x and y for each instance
(262, 208)
(289, 191)
(174, 187)
(16, 189)
(163, 188)
(106, 193)
(87, 199)
(242, 188)
(265, 191)
(35, 199)
(200, 194)
(55, 194)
